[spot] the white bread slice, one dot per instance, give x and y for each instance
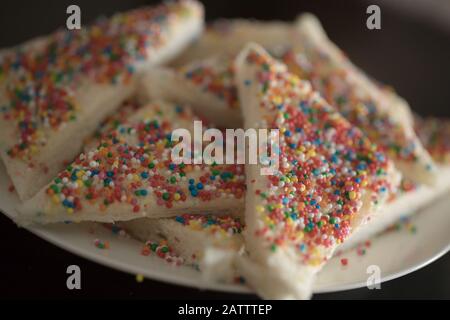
(208, 242)
(434, 134)
(311, 43)
(207, 85)
(383, 116)
(297, 217)
(131, 175)
(227, 37)
(406, 203)
(56, 89)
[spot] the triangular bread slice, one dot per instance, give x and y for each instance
(380, 113)
(56, 89)
(131, 174)
(434, 134)
(383, 116)
(228, 36)
(330, 177)
(208, 242)
(207, 85)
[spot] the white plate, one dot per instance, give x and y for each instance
(396, 253)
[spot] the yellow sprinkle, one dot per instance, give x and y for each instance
(96, 31)
(311, 153)
(33, 149)
(69, 210)
(352, 195)
(277, 100)
(315, 261)
(176, 196)
(55, 199)
(139, 278)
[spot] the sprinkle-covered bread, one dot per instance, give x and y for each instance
(208, 242)
(435, 136)
(384, 117)
(228, 36)
(330, 177)
(207, 85)
(380, 113)
(131, 174)
(56, 89)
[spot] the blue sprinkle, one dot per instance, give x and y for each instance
(179, 219)
(68, 204)
(334, 159)
(361, 166)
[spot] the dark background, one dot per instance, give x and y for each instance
(411, 52)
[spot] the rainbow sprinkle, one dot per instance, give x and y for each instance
(222, 225)
(101, 244)
(163, 251)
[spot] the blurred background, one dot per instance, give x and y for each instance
(411, 52)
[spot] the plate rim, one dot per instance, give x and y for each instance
(216, 286)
